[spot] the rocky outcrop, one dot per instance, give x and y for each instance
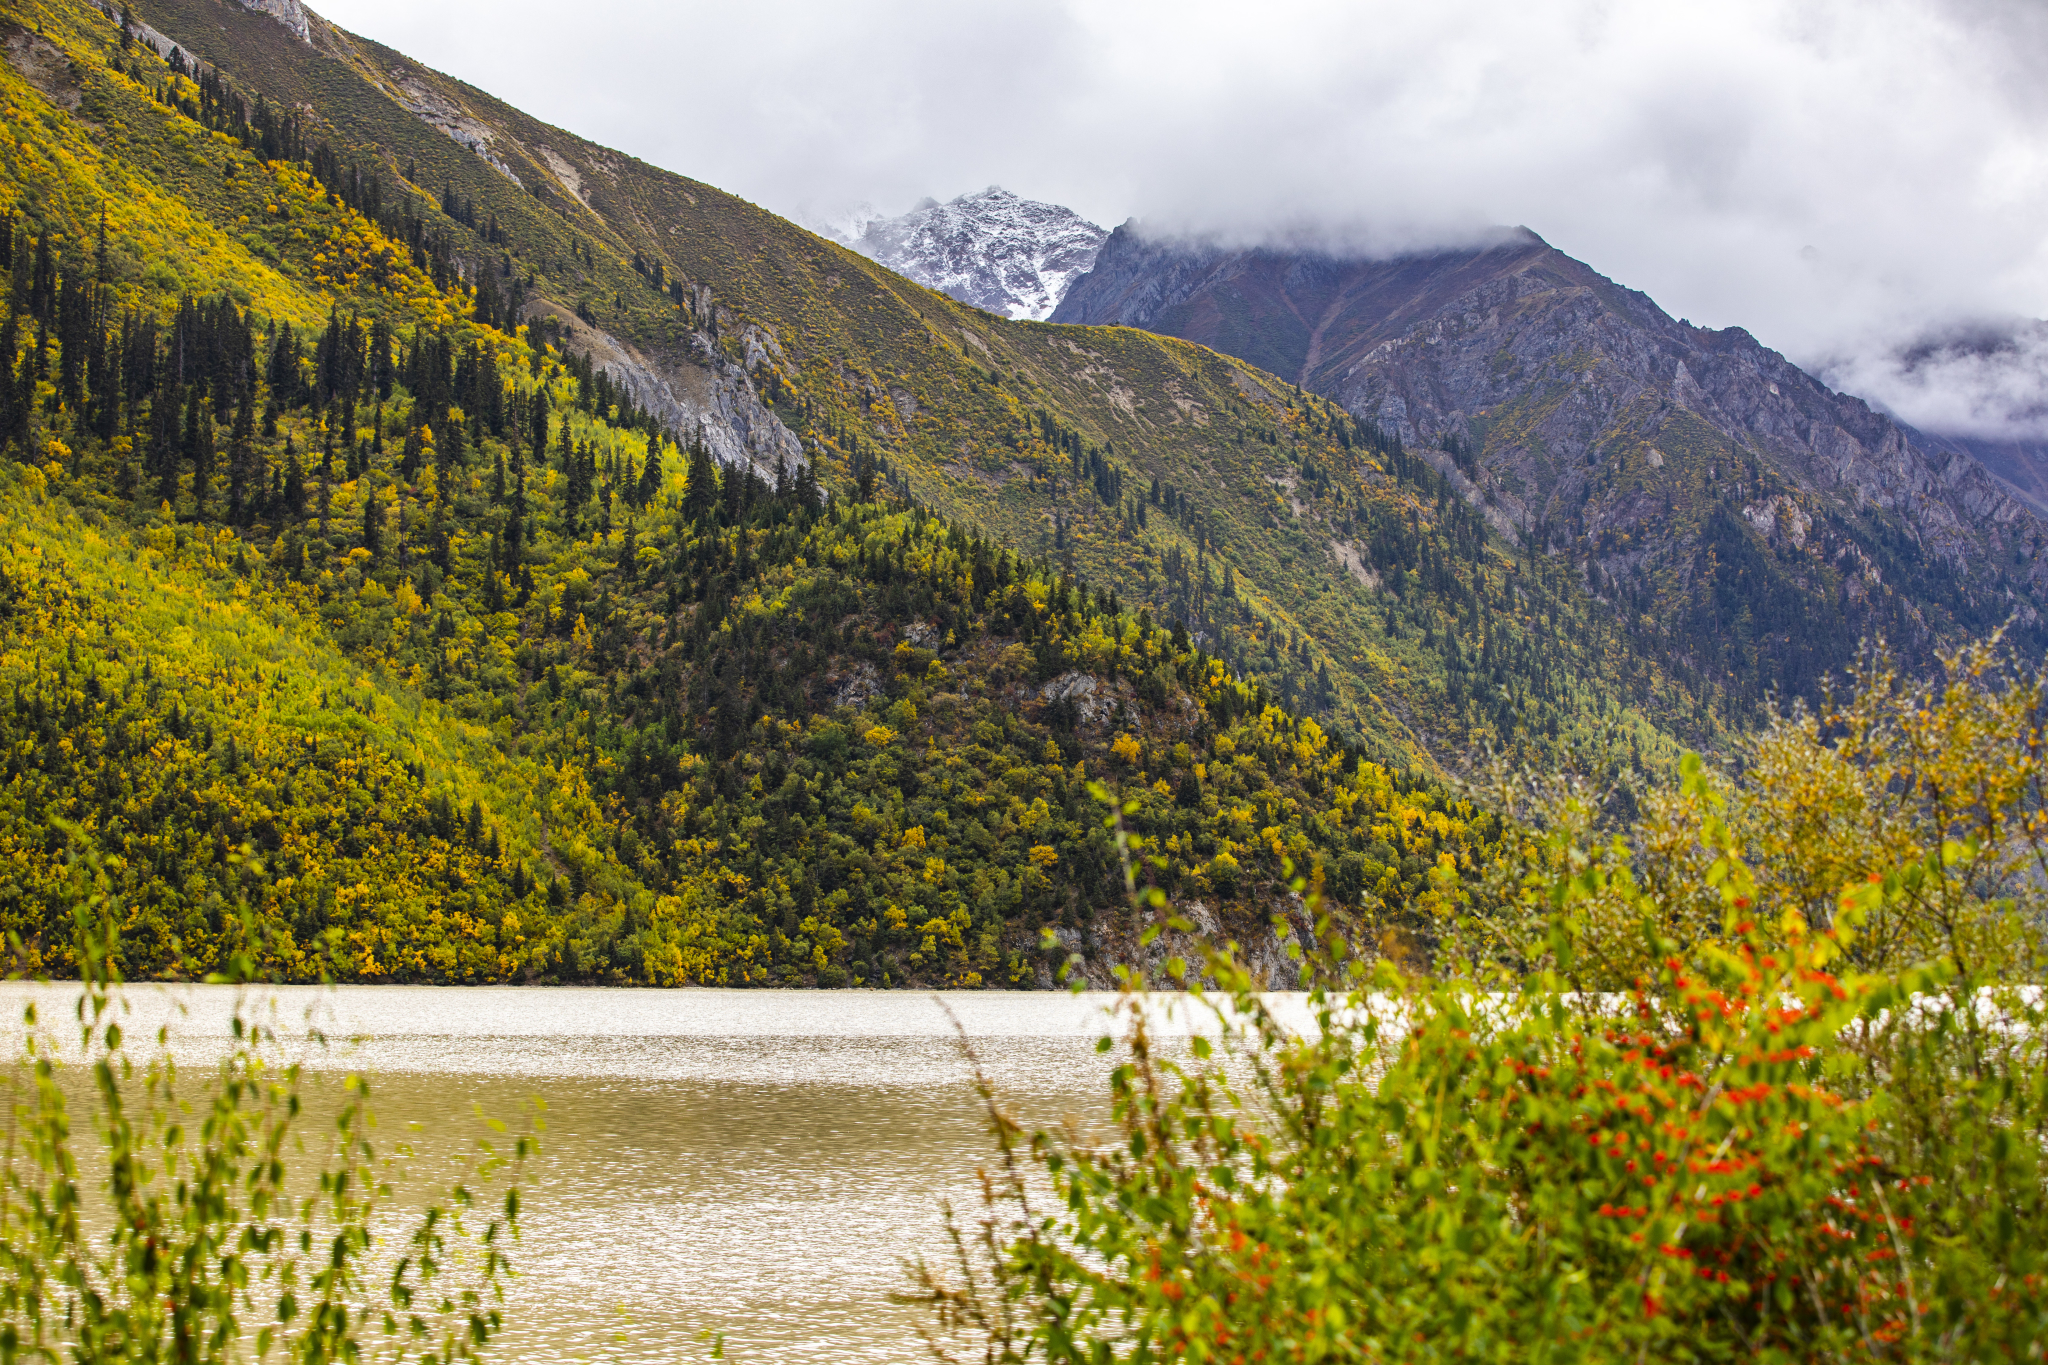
(2020, 463)
(1264, 936)
(292, 14)
(696, 391)
(437, 109)
(1089, 698)
(43, 65)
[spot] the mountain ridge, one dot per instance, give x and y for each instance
(1562, 399)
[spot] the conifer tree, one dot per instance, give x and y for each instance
(650, 476)
(240, 457)
(700, 494)
(450, 450)
(294, 484)
(409, 456)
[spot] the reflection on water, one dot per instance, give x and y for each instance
(751, 1162)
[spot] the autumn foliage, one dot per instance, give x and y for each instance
(1779, 1141)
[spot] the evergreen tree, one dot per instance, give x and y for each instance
(294, 484)
(241, 455)
(650, 477)
(450, 450)
(410, 455)
(538, 414)
(700, 493)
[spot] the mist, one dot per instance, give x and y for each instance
(1854, 181)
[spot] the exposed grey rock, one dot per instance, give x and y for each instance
(433, 107)
(1086, 692)
(697, 392)
(292, 14)
(860, 689)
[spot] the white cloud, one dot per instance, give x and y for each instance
(1839, 176)
(1990, 380)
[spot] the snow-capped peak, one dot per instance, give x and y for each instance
(992, 249)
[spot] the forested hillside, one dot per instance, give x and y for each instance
(1361, 605)
(345, 609)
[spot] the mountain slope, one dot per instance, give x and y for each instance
(2020, 463)
(1760, 522)
(1014, 257)
(335, 538)
(722, 320)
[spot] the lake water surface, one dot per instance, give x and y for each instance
(755, 1163)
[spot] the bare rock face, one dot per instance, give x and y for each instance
(291, 13)
(43, 65)
(697, 392)
(434, 107)
(1090, 699)
(857, 690)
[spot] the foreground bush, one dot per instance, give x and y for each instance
(178, 1219)
(1684, 1109)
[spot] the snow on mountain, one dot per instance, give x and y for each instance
(992, 249)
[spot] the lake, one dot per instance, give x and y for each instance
(755, 1163)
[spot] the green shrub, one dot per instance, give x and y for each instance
(199, 1240)
(1781, 1138)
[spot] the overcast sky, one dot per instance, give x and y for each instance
(1839, 176)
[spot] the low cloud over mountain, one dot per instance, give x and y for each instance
(1987, 380)
(1841, 177)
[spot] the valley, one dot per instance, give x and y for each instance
(678, 596)
(964, 785)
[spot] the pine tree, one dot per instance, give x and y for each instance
(700, 494)
(409, 456)
(240, 456)
(294, 484)
(650, 476)
(13, 414)
(451, 452)
(806, 491)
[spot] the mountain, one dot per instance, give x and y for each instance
(439, 548)
(1754, 523)
(2020, 462)
(1295, 542)
(1013, 257)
